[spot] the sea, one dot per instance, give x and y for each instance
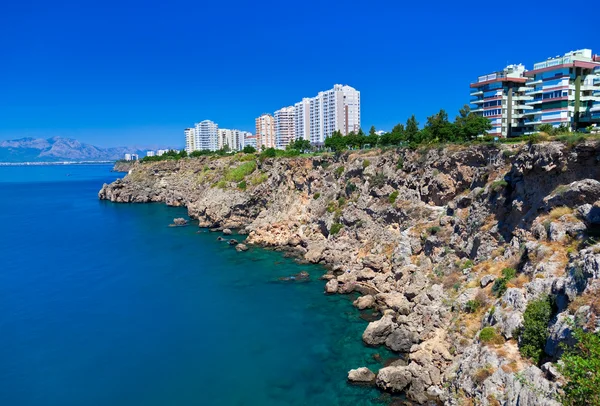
(105, 304)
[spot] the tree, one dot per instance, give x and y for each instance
(249, 149)
(439, 129)
(412, 129)
(581, 369)
(534, 333)
(546, 128)
(469, 125)
(336, 141)
(299, 145)
(372, 130)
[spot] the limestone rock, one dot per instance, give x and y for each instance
(241, 247)
(331, 286)
(378, 331)
(486, 280)
(361, 375)
(364, 302)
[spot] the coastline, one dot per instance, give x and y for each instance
(396, 227)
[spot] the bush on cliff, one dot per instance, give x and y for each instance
(238, 174)
(499, 286)
(534, 332)
(335, 228)
(581, 369)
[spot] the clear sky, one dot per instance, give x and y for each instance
(138, 72)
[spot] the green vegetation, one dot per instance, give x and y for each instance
(581, 369)
(378, 180)
(221, 184)
(393, 196)
(249, 149)
(238, 174)
(487, 334)
(366, 163)
(316, 195)
(400, 164)
(167, 156)
(335, 228)
(331, 206)
(499, 286)
(269, 153)
(472, 306)
(257, 180)
(498, 185)
(433, 230)
(534, 333)
(468, 264)
(299, 145)
(242, 185)
(338, 172)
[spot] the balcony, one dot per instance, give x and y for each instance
(534, 82)
(479, 101)
(590, 98)
(478, 93)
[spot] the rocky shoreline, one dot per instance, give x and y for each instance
(420, 235)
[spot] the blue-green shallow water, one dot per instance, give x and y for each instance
(104, 304)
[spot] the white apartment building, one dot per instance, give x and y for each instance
(336, 109)
(265, 131)
(163, 151)
(150, 153)
(234, 139)
(302, 119)
(284, 126)
(190, 140)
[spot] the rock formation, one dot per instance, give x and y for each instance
(423, 237)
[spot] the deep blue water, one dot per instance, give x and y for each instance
(104, 304)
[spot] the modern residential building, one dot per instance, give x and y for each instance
(233, 139)
(265, 132)
(565, 91)
(284, 126)
(501, 97)
(190, 140)
(250, 140)
(161, 152)
(302, 119)
(337, 109)
(131, 157)
(150, 153)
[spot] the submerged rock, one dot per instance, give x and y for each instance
(226, 231)
(180, 221)
(241, 247)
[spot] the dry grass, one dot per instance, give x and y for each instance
(489, 223)
(519, 281)
(590, 298)
(511, 367)
(483, 373)
(558, 212)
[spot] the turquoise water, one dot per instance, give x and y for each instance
(104, 304)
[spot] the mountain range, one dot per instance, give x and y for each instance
(58, 149)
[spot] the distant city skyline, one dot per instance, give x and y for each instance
(142, 81)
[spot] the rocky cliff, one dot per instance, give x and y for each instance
(421, 236)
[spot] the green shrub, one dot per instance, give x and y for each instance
(581, 370)
(433, 230)
(378, 180)
(472, 306)
(350, 188)
(269, 153)
(242, 185)
(335, 228)
(393, 197)
(257, 180)
(338, 172)
(221, 184)
(499, 286)
(534, 333)
(249, 149)
(487, 334)
(331, 207)
(498, 185)
(400, 164)
(366, 163)
(341, 201)
(507, 153)
(468, 264)
(238, 174)
(316, 195)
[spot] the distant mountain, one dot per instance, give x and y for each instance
(60, 149)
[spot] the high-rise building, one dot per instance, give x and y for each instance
(233, 139)
(190, 140)
(565, 91)
(149, 153)
(302, 120)
(265, 132)
(206, 136)
(500, 97)
(284, 126)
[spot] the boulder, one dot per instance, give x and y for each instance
(394, 379)
(378, 331)
(331, 286)
(486, 280)
(361, 375)
(395, 301)
(233, 242)
(402, 339)
(241, 247)
(180, 221)
(364, 302)
(226, 231)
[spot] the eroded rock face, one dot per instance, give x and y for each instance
(361, 375)
(407, 258)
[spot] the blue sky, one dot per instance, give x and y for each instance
(139, 72)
